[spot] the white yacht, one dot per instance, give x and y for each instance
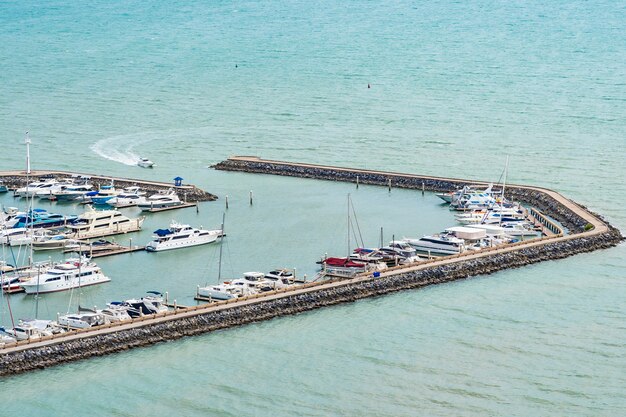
(43, 240)
(152, 303)
(164, 198)
(129, 197)
(438, 244)
(72, 192)
(73, 273)
(32, 188)
(33, 329)
(116, 311)
(98, 223)
(218, 292)
(180, 236)
(82, 320)
(16, 237)
(145, 163)
(48, 192)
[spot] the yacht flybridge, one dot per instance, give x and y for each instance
(98, 223)
(181, 236)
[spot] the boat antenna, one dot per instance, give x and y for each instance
(348, 254)
(37, 294)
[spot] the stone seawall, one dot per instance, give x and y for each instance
(541, 201)
(207, 320)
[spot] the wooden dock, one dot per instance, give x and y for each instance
(118, 250)
(180, 206)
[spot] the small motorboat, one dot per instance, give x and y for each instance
(145, 163)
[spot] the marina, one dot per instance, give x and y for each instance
(585, 232)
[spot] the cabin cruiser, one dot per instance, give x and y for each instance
(84, 319)
(403, 250)
(32, 188)
(180, 236)
(6, 337)
(40, 218)
(104, 194)
(48, 192)
(520, 229)
(145, 163)
(73, 192)
(250, 283)
(3, 187)
(116, 311)
(129, 197)
(152, 303)
(73, 273)
(472, 200)
(164, 198)
(29, 329)
(218, 292)
(94, 223)
(16, 237)
(43, 240)
(438, 244)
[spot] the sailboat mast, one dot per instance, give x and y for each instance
(348, 253)
(506, 171)
(219, 268)
(27, 141)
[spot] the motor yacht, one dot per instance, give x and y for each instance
(180, 236)
(32, 188)
(104, 194)
(129, 197)
(16, 236)
(73, 192)
(73, 273)
(438, 244)
(152, 303)
(82, 320)
(40, 218)
(164, 198)
(97, 223)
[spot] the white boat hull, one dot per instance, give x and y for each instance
(155, 246)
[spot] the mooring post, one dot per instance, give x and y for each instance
(130, 243)
(357, 181)
(423, 186)
(389, 184)
(250, 197)
(226, 201)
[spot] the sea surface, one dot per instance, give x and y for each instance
(441, 88)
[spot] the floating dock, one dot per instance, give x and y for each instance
(117, 250)
(586, 232)
(180, 206)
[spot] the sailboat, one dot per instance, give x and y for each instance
(220, 291)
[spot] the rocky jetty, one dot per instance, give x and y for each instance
(210, 319)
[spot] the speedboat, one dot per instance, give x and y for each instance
(440, 244)
(93, 223)
(180, 236)
(164, 198)
(145, 163)
(129, 197)
(73, 273)
(40, 218)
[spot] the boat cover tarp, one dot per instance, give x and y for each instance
(162, 232)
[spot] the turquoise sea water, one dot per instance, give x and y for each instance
(454, 89)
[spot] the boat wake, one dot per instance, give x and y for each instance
(120, 148)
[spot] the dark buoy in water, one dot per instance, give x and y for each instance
(236, 66)
(368, 85)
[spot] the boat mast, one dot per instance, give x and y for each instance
(348, 253)
(27, 141)
(506, 171)
(219, 267)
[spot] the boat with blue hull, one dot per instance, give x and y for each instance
(40, 218)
